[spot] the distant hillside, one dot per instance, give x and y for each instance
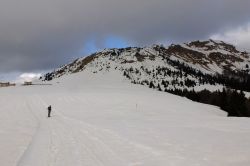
(178, 68)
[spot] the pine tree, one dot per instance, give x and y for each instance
(159, 87)
(151, 85)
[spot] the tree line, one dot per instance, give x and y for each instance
(233, 102)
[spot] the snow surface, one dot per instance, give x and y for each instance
(103, 119)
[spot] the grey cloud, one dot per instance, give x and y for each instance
(42, 34)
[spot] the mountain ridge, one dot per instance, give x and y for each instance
(180, 62)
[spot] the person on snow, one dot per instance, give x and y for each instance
(49, 110)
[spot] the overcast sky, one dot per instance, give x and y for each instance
(39, 35)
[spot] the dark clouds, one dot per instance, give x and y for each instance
(42, 34)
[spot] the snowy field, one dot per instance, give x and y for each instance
(103, 120)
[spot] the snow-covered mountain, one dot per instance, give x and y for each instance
(100, 118)
(195, 65)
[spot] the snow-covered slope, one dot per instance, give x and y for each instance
(102, 119)
(199, 65)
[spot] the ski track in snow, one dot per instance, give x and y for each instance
(60, 140)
